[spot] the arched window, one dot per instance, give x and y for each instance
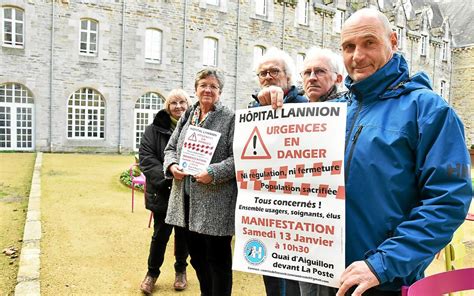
(86, 115)
(16, 117)
(146, 108)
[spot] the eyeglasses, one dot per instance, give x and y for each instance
(273, 73)
(182, 103)
(212, 87)
(318, 72)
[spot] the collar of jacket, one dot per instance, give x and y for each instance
(291, 94)
(390, 77)
(217, 106)
(332, 94)
(162, 122)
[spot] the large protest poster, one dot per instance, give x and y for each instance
(290, 213)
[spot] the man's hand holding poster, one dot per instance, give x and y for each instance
(290, 214)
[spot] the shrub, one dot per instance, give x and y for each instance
(127, 180)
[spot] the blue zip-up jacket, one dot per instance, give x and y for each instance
(408, 183)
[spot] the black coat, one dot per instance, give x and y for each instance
(152, 145)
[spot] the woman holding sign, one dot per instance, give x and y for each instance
(199, 158)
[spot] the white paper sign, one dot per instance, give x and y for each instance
(198, 148)
(290, 214)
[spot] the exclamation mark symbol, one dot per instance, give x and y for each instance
(319, 204)
(254, 144)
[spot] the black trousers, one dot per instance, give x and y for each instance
(280, 287)
(211, 258)
(159, 240)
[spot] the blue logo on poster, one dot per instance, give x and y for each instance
(255, 251)
(185, 164)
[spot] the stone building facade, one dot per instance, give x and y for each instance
(88, 75)
(462, 90)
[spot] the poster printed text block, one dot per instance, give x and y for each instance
(290, 213)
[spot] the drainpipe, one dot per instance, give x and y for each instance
(185, 25)
(323, 29)
(411, 55)
(283, 28)
(237, 56)
(121, 80)
(434, 66)
(51, 70)
(450, 56)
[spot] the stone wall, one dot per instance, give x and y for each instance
(122, 77)
(462, 89)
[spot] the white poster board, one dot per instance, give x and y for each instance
(290, 213)
(198, 148)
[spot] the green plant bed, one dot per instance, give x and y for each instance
(127, 180)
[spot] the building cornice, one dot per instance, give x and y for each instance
(324, 10)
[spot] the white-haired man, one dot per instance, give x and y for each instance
(322, 74)
(276, 69)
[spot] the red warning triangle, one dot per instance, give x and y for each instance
(257, 149)
(192, 137)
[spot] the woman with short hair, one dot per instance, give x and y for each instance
(151, 154)
(204, 203)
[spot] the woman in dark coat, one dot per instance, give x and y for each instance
(158, 188)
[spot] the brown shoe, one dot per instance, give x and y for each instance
(180, 282)
(148, 284)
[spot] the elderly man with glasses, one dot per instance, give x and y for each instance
(276, 68)
(322, 74)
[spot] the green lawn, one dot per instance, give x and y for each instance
(15, 179)
(92, 243)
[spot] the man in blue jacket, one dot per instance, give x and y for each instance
(408, 185)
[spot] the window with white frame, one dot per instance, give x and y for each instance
(299, 63)
(424, 44)
(445, 51)
(258, 52)
(213, 2)
(339, 20)
(210, 49)
(13, 27)
(153, 40)
(443, 92)
(89, 34)
(261, 7)
(400, 37)
(303, 12)
(381, 4)
(86, 115)
(146, 108)
(16, 117)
